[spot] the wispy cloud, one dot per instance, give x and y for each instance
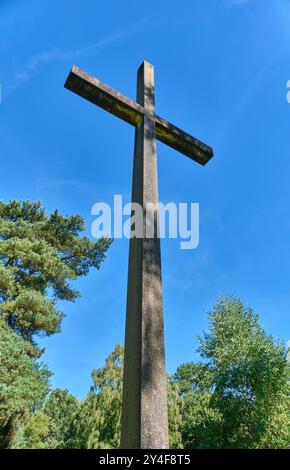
(237, 2)
(61, 184)
(35, 62)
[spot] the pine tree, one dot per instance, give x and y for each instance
(23, 385)
(39, 255)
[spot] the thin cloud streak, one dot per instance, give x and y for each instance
(235, 3)
(63, 185)
(34, 64)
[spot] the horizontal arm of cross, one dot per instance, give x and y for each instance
(118, 104)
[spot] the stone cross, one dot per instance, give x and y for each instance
(144, 422)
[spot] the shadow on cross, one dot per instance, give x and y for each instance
(145, 384)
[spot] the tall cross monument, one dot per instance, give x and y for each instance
(144, 409)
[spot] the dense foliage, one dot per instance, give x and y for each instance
(237, 396)
(23, 384)
(39, 255)
(98, 422)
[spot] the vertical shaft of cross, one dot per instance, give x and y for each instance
(144, 410)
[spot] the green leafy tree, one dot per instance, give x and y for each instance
(238, 396)
(61, 408)
(52, 426)
(174, 415)
(97, 425)
(198, 418)
(23, 385)
(39, 255)
(32, 434)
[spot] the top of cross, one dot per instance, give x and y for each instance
(132, 112)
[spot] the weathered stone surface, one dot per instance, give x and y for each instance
(144, 413)
(116, 103)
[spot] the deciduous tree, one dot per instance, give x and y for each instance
(238, 396)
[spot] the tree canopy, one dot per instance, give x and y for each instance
(98, 423)
(40, 255)
(236, 396)
(23, 384)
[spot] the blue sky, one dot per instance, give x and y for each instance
(221, 70)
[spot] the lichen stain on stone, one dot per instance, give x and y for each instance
(128, 114)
